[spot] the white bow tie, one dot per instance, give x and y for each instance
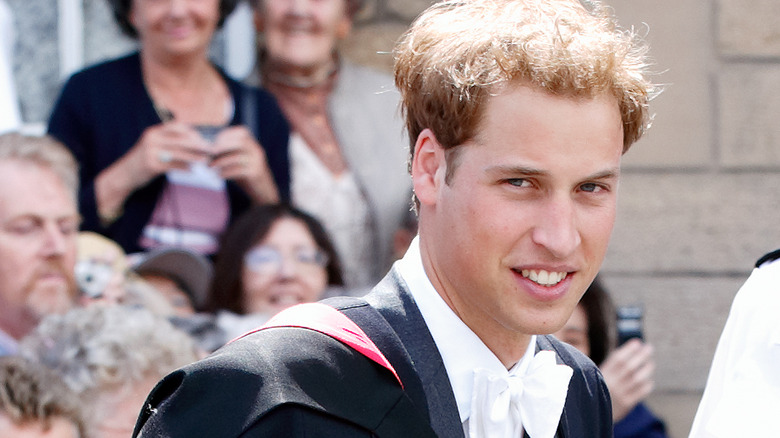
(503, 405)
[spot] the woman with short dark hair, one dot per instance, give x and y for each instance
(170, 148)
(273, 257)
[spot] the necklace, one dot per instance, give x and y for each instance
(163, 113)
(292, 81)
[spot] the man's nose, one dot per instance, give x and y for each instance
(556, 227)
(55, 241)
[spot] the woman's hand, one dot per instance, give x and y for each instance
(162, 147)
(238, 156)
(628, 372)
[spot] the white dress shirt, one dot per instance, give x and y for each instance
(462, 351)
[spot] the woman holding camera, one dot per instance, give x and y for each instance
(628, 369)
(170, 148)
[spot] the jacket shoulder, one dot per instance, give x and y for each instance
(588, 408)
(97, 74)
(253, 376)
(567, 354)
(770, 257)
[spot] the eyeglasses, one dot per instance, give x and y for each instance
(268, 260)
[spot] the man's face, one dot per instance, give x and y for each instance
(38, 228)
(519, 232)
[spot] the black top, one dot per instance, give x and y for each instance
(102, 112)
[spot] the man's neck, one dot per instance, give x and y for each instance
(507, 345)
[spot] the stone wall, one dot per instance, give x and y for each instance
(699, 197)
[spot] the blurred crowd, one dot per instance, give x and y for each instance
(171, 208)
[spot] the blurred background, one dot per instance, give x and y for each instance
(699, 197)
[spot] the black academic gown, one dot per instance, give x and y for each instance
(294, 382)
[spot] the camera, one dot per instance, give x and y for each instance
(629, 323)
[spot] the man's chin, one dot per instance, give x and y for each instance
(50, 297)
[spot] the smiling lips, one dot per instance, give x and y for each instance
(542, 277)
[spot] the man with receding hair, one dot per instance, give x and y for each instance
(518, 112)
(39, 222)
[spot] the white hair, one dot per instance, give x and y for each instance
(101, 348)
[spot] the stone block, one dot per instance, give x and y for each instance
(684, 317)
(682, 55)
(749, 108)
(408, 10)
(369, 11)
(749, 29)
(372, 45)
(706, 223)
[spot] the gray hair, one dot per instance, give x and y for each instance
(32, 393)
(101, 348)
(45, 152)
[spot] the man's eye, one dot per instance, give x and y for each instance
(518, 182)
(23, 227)
(69, 227)
(591, 187)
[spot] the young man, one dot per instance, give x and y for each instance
(520, 112)
(39, 222)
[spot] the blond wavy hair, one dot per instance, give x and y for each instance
(457, 53)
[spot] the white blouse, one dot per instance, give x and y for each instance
(338, 202)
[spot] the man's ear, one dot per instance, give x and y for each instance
(258, 19)
(428, 167)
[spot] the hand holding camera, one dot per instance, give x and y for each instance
(237, 156)
(628, 370)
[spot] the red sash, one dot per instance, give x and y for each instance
(329, 321)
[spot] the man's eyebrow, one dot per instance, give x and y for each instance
(501, 169)
(605, 174)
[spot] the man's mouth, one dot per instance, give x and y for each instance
(542, 277)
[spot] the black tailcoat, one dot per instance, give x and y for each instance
(293, 382)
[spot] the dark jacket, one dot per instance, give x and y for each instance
(102, 112)
(295, 382)
(640, 423)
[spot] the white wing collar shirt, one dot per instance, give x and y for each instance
(492, 401)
